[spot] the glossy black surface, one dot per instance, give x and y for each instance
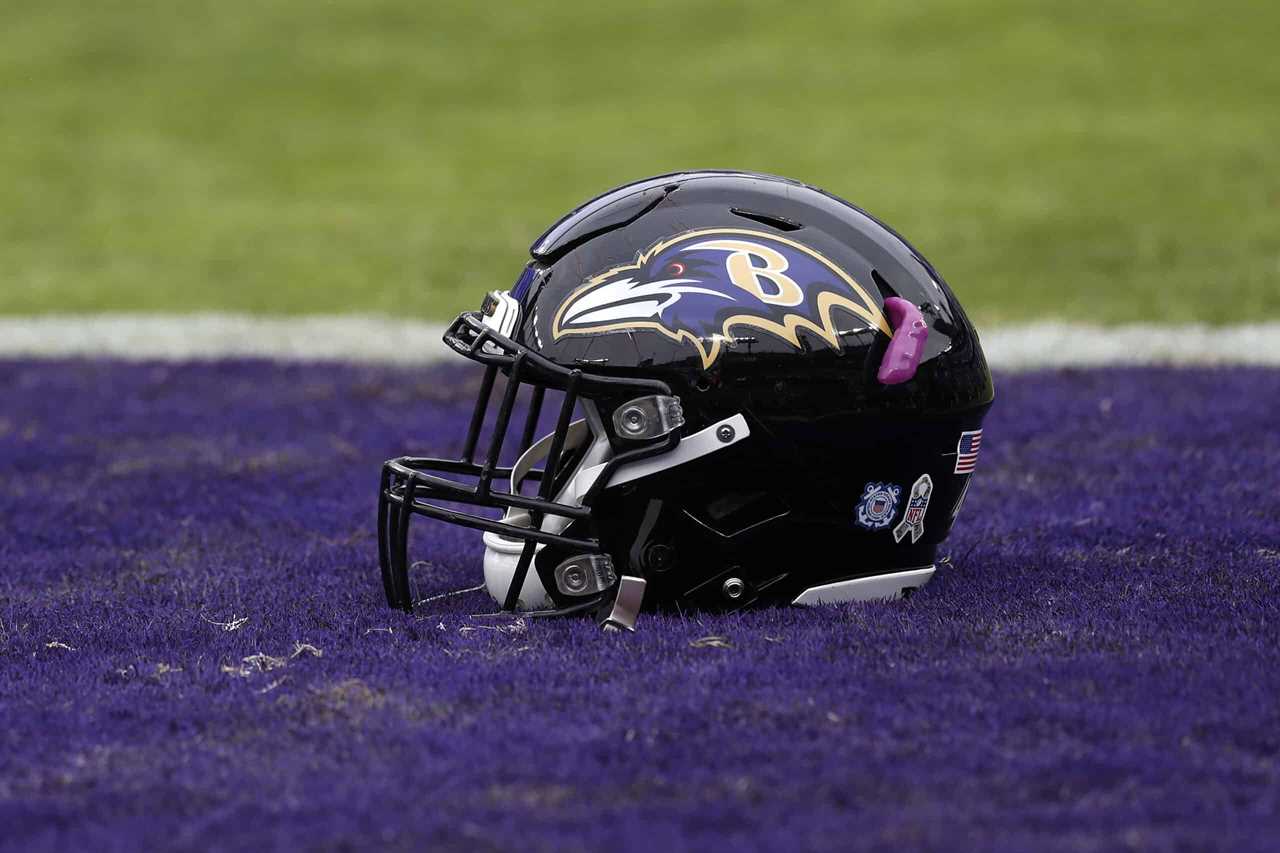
(953, 373)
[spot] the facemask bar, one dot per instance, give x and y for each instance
(410, 484)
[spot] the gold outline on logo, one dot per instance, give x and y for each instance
(788, 329)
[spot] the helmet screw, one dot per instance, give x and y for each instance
(725, 433)
(575, 579)
(634, 421)
(658, 557)
(733, 588)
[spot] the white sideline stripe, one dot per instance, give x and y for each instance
(175, 337)
(183, 337)
(1054, 344)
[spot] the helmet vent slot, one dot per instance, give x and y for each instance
(885, 290)
(779, 222)
(732, 512)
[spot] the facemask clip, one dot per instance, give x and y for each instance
(648, 417)
(587, 574)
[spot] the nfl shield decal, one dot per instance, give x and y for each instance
(878, 505)
(917, 505)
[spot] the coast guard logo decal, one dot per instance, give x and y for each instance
(878, 505)
(698, 286)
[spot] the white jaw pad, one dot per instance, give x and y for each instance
(577, 433)
(502, 555)
(878, 588)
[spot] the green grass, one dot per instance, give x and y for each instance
(1092, 161)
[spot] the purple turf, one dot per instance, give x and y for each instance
(1096, 667)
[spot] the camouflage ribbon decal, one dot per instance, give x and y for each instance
(918, 504)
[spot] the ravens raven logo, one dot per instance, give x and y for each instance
(698, 286)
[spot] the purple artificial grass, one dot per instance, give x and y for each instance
(195, 653)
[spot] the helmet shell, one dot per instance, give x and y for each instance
(780, 511)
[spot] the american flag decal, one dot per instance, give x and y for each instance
(967, 451)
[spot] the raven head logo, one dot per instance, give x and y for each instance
(697, 286)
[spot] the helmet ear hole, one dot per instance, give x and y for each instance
(733, 588)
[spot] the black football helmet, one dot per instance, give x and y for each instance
(763, 394)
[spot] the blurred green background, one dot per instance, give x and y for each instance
(1099, 162)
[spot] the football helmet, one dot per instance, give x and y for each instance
(723, 389)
